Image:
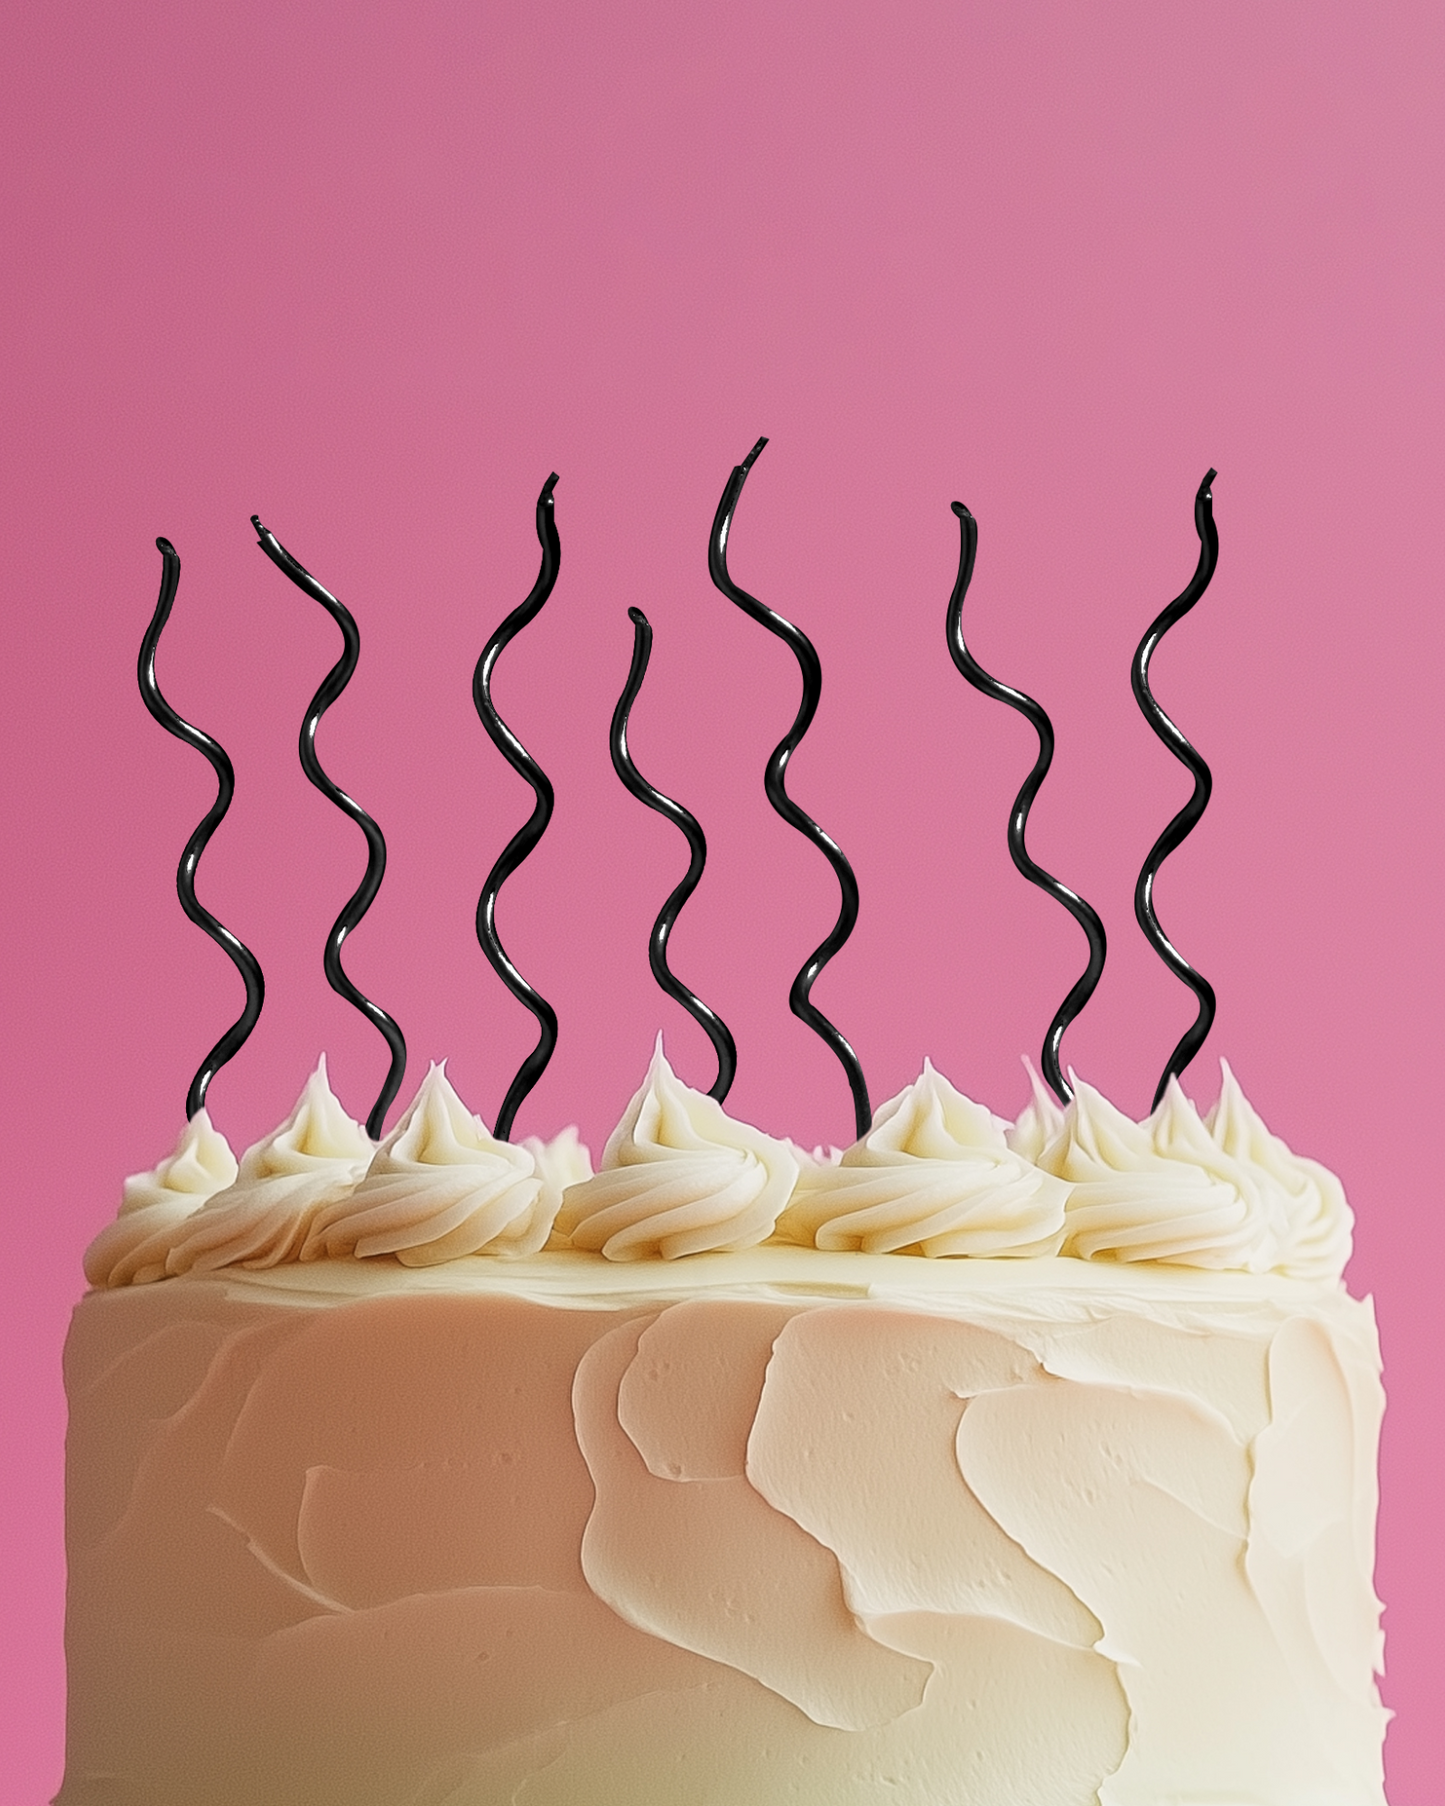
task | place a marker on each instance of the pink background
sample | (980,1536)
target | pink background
(374,269)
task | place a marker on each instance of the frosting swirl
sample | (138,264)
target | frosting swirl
(564,1160)
(132,1250)
(1158,1190)
(678,1176)
(440,1186)
(317,1156)
(935,1175)
(1315,1222)
(1039,1121)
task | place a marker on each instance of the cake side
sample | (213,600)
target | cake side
(767,1525)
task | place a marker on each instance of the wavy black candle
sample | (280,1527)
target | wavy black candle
(242,957)
(1034,714)
(717,1030)
(362,898)
(777,794)
(531,831)
(1193,1038)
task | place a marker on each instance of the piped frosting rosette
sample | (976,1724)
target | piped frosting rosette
(935,1175)
(1308,1201)
(440,1186)
(1160,1190)
(132,1250)
(564,1160)
(679,1176)
(317,1156)
(1039,1122)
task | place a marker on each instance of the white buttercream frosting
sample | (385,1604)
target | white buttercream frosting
(934,1175)
(317,1156)
(937,1174)
(438,1187)
(1158,1190)
(564,1160)
(563,1530)
(1221,1192)
(1039,1121)
(1315,1222)
(679,1176)
(132,1250)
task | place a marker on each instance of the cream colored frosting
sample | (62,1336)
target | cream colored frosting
(934,1175)
(317,1156)
(937,1174)
(132,1250)
(1221,1193)
(439,1186)
(678,1176)
(564,1160)
(1314,1223)
(1160,1190)
(1011,1533)
(1039,1121)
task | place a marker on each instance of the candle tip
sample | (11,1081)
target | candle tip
(752,456)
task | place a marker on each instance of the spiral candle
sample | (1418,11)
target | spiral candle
(1193,1038)
(531,831)
(244,960)
(332,685)
(716,1028)
(1083,914)
(776,789)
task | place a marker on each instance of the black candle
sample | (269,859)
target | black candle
(717,1029)
(773,784)
(531,831)
(1193,1038)
(1086,917)
(332,685)
(245,961)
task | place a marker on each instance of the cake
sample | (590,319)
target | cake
(987,1463)
(980,1463)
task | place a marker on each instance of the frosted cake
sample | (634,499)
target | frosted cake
(990,1464)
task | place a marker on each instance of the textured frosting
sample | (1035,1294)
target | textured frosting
(132,1250)
(1016,1533)
(1223,1193)
(1314,1223)
(678,1176)
(1039,1121)
(564,1160)
(317,1156)
(1158,1190)
(935,1175)
(439,1186)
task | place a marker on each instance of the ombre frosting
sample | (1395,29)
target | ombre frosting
(936,1176)
(679,1176)
(439,1186)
